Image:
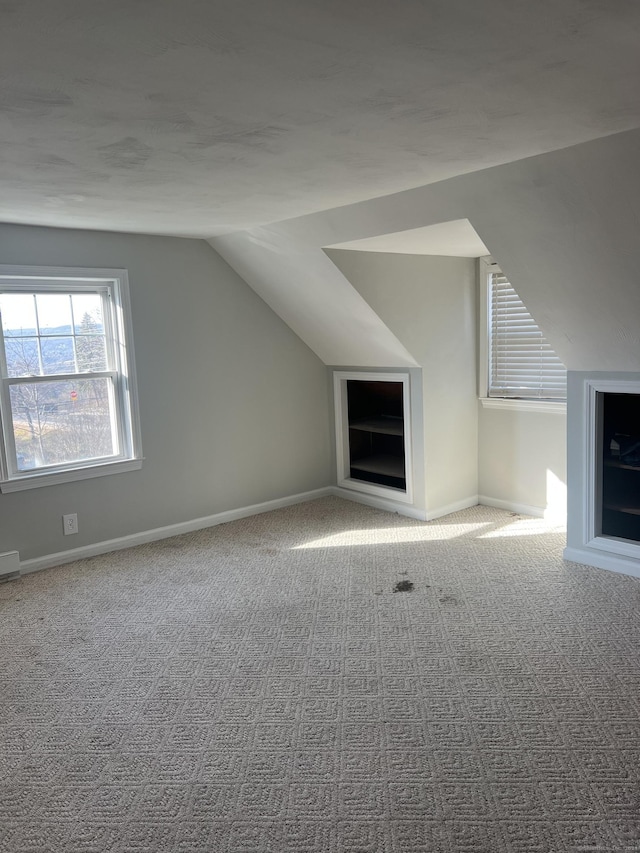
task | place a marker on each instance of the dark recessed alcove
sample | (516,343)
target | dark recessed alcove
(376,432)
(620,473)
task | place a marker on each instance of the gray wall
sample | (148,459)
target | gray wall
(429,303)
(522,460)
(234,407)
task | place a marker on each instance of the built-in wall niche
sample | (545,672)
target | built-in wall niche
(603,470)
(611,497)
(373,446)
(618,418)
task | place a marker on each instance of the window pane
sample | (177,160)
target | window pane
(87,313)
(22,356)
(54,313)
(62,422)
(91,350)
(18,314)
(91,353)
(57,355)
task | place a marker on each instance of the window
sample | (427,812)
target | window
(521,365)
(68,402)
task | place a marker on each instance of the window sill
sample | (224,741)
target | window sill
(506,403)
(35,481)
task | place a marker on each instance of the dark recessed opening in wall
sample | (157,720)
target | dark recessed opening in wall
(376,432)
(620,471)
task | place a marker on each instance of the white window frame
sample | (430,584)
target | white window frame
(486,266)
(113,285)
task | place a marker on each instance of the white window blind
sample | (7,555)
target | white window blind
(522,364)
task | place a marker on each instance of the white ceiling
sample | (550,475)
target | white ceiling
(198,118)
(457,239)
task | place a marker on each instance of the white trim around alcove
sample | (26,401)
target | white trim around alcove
(587,544)
(592,499)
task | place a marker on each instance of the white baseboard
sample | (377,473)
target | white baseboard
(548,513)
(61,557)
(521,509)
(454,507)
(379,503)
(49,560)
(403,509)
(601,560)
(9,565)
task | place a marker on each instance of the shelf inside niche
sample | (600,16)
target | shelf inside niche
(383,464)
(382,425)
(627,510)
(615,463)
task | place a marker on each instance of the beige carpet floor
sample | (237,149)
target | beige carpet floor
(260,687)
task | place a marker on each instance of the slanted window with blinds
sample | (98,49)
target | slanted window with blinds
(522,364)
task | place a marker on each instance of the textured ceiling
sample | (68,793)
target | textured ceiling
(198,118)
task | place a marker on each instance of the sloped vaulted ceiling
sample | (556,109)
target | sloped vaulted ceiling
(563,226)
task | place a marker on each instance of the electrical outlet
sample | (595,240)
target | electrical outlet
(70,523)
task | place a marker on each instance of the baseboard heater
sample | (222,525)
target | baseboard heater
(9,566)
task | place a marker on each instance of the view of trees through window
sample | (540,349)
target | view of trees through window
(68,418)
